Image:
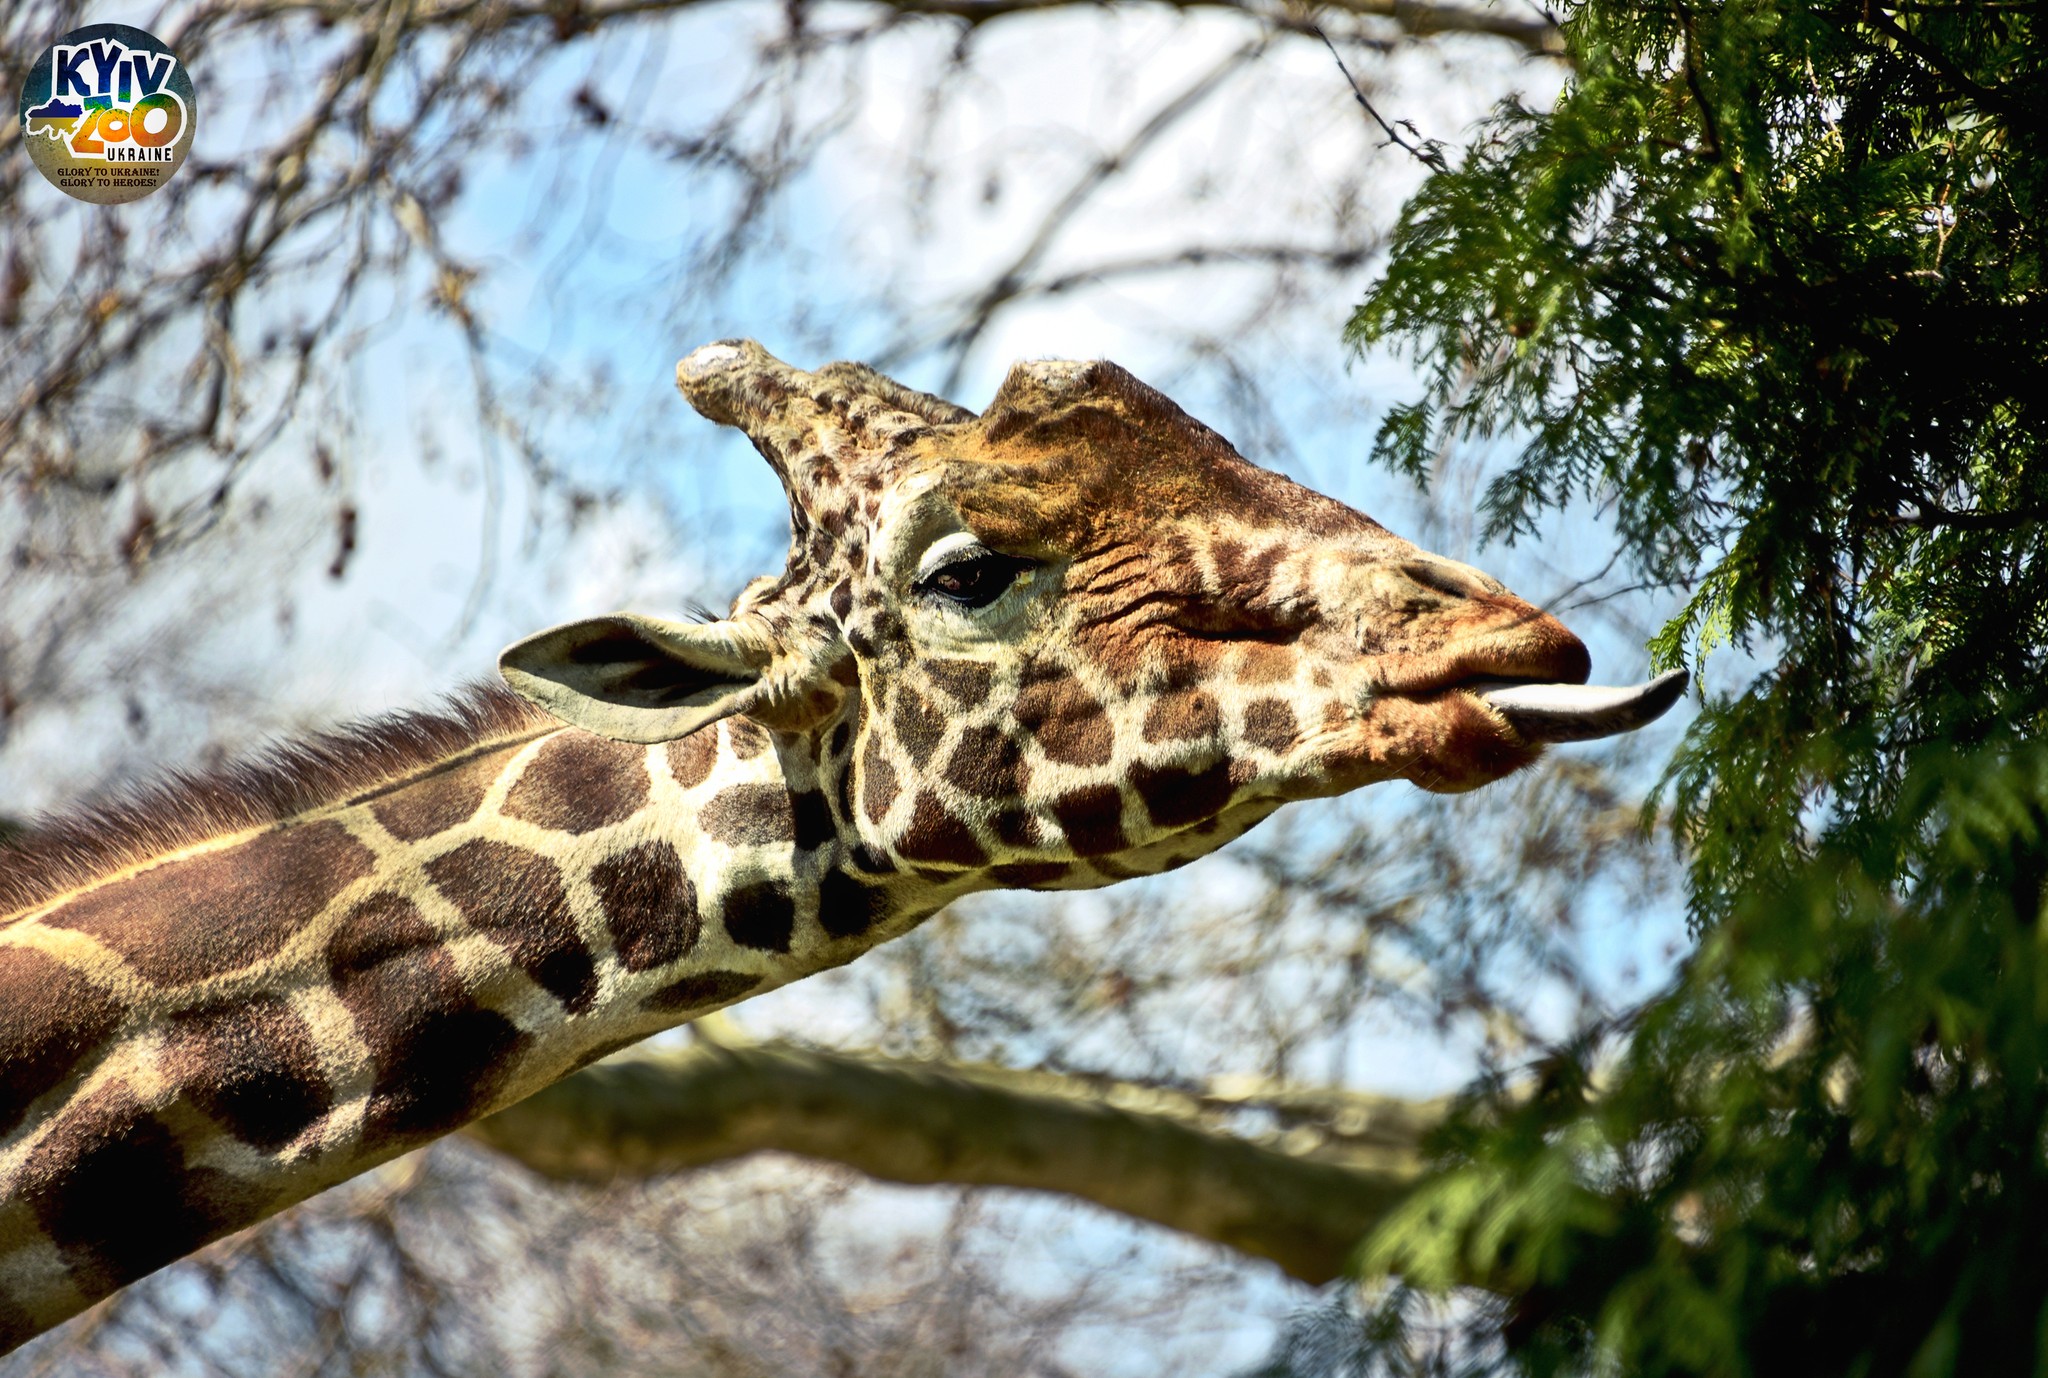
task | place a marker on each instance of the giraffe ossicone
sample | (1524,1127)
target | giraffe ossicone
(1069,640)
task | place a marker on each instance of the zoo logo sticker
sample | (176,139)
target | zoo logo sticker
(107,113)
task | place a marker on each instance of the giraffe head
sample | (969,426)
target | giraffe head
(1074,638)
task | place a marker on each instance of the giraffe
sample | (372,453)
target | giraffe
(1067,641)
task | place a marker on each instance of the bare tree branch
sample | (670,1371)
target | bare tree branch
(1303,1199)
(1416,18)
(1008,283)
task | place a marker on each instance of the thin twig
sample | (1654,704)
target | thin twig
(1428,154)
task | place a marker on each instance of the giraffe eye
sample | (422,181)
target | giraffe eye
(974,580)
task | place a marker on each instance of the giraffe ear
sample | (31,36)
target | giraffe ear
(637,679)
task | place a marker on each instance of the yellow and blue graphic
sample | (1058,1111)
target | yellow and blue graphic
(107,113)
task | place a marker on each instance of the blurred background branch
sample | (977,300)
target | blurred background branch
(1302,1193)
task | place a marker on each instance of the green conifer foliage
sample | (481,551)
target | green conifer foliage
(1768,283)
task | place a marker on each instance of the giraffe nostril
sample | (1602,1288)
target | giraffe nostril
(1453,581)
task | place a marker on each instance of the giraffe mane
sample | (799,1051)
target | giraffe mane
(76,847)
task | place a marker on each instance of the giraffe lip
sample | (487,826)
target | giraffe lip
(1547,713)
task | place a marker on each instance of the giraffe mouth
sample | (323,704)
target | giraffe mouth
(1547,712)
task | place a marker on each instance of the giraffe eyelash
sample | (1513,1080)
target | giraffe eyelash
(961,545)
(973,577)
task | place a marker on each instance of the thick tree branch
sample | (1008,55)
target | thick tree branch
(1333,1166)
(1931,514)
(1991,98)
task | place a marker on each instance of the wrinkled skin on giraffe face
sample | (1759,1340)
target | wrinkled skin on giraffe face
(1073,638)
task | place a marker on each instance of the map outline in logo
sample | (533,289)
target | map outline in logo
(107,113)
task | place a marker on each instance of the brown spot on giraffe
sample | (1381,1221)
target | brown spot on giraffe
(761,915)
(435,1054)
(748,740)
(1017,828)
(1092,819)
(1182,715)
(919,726)
(1268,664)
(579,783)
(690,760)
(702,990)
(989,763)
(253,1066)
(223,910)
(1270,724)
(967,681)
(1069,724)
(848,907)
(878,781)
(750,815)
(442,799)
(1175,797)
(812,819)
(1031,875)
(111,1184)
(53,1024)
(515,898)
(1245,577)
(936,834)
(649,905)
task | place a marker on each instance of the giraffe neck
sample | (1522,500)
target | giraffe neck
(206,1036)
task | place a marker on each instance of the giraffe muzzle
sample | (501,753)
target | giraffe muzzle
(1550,713)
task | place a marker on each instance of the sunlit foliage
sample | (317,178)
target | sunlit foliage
(1766,284)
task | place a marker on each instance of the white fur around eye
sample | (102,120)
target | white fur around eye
(946,550)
